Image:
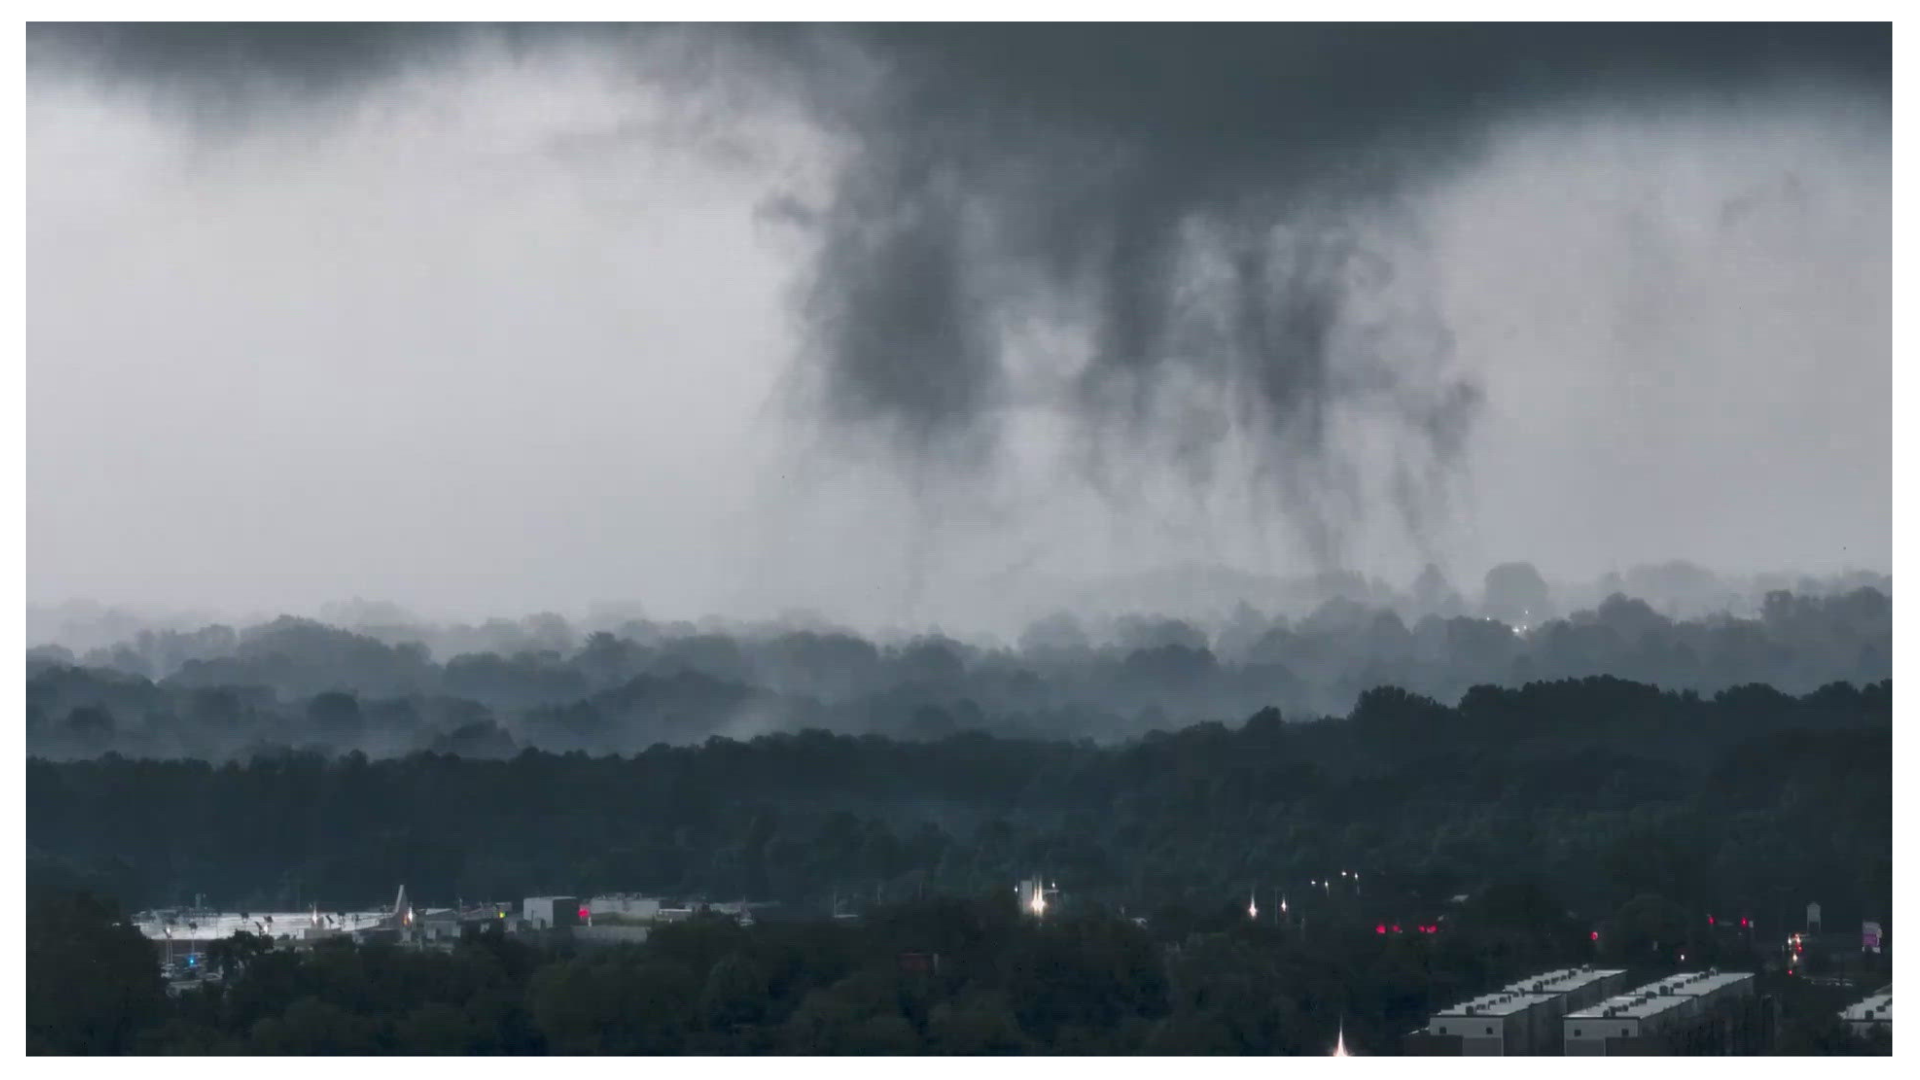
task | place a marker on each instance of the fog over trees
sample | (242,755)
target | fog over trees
(388,687)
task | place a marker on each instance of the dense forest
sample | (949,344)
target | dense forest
(216,693)
(1584,788)
(1608,789)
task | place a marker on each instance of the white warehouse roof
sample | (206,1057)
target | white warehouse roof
(1564,981)
(1876,1009)
(1657,997)
(1501,1003)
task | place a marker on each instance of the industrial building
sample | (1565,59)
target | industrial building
(624,906)
(1520,1019)
(181,939)
(1568,990)
(552,912)
(1574,988)
(1874,1014)
(1705,1012)
(434,924)
(1500,1024)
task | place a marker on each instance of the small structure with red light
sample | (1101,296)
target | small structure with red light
(552,912)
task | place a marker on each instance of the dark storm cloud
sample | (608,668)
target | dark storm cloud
(1211,207)
(1000,172)
(222,74)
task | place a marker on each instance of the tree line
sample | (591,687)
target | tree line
(217,693)
(1749,799)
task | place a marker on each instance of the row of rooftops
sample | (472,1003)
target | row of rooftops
(1658,997)
(1563,981)
(1877,1009)
(1498,1003)
(1528,992)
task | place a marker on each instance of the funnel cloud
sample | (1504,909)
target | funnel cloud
(940,324)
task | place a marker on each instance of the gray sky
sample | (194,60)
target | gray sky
(913,326)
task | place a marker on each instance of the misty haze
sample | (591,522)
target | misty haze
(959,539)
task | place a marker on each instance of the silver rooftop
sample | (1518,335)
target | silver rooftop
(1496,1004)
(1562,982)
(1657,997)
(1877,1007)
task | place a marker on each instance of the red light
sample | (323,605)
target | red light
(1709,920)
(1396,928)
(584,914)
(1743,922)
(1595,935)
(1380,929)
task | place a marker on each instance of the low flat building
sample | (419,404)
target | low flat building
(625,906)
(1874,1014)
(1665,1016)
(1524,1016)
(1576,988)
(1568,990)
(434,925)
(1500,1024)
(551,912)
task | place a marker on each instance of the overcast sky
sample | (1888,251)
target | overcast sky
(910,326)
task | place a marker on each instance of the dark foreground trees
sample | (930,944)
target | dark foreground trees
(95,982)
(945,976)
(942,976)
(1591,819)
